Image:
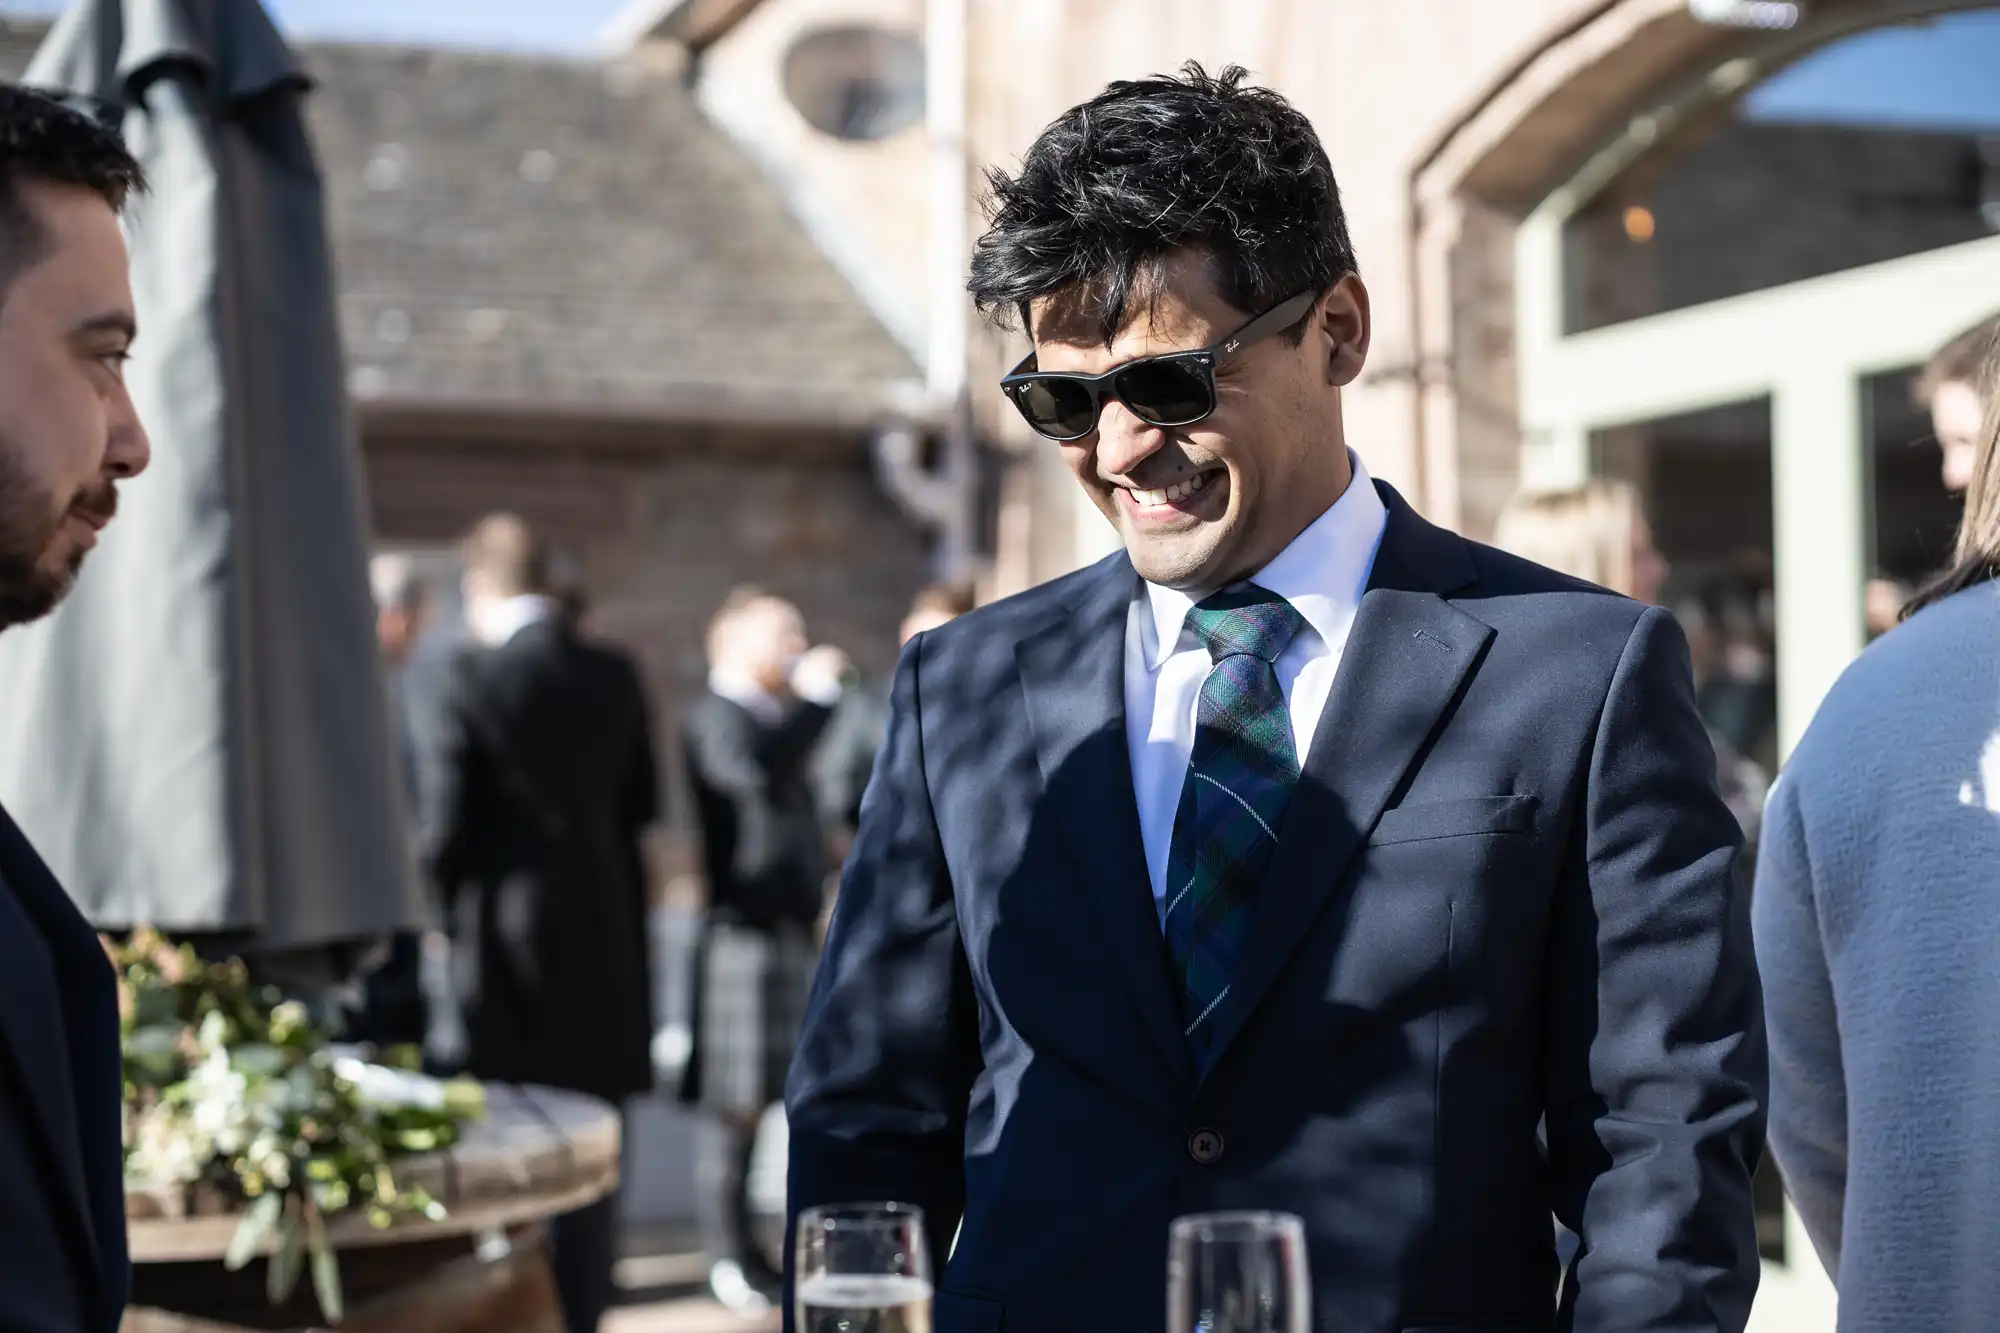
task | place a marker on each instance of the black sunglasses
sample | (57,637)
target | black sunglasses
(1172,389)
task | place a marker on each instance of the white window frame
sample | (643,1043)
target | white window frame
(1807,346)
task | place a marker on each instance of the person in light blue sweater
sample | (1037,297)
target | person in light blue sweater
(1877,921)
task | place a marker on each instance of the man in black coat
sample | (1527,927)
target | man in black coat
(545,785)
(68,436)
(750,744)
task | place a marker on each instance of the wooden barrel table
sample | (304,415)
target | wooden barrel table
(482,1269)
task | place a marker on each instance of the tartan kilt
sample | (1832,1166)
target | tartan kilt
(748,1013)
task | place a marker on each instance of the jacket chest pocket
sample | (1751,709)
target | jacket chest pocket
(1466,817)
(1473,868)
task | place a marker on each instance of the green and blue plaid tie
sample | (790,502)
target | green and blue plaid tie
(1239,780)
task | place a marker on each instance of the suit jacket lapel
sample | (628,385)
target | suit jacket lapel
(32,1026)
(1407,656)
(1073,673)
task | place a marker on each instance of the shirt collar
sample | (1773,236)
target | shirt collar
(1323,573)
(502,620)
(745,693)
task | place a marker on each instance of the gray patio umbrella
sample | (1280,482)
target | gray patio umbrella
(199,738)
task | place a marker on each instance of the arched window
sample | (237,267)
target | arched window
(1876,146)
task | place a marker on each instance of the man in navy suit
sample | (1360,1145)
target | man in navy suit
(68,437)
(1303,856)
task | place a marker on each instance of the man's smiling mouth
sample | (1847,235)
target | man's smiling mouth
(1177,492)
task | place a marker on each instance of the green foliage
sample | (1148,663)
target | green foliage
(230,1088)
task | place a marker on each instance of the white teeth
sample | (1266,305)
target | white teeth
(1175,493)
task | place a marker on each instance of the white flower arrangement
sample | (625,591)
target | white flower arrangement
(231,1091)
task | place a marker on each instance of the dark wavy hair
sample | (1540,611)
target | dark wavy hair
(41,139)
(1150,167)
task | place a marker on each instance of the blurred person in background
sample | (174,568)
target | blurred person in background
(1883,603)
(1598,532)
(421,642)
(1950,387)
(569,586)
(749,743)
(847,755)
(547,786)
(1739,698)
(393,1010)
(1704,634)
(1875,919)
(402,613)
(69,436)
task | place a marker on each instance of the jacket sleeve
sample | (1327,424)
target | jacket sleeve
(846,758)
(640,803)
(450,810)
(878,1091)
(1657,1079)
(1808,1080)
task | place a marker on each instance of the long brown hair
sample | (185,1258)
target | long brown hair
(1977,557)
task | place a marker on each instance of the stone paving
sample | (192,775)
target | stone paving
(688,1315)
(663,1290)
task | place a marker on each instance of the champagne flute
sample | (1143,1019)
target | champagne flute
(863,1268)
(1238,1273)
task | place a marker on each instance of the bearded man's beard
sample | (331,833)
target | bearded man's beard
(30,523)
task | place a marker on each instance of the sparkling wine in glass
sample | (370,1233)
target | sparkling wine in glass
(863,1268)
(1238,1273)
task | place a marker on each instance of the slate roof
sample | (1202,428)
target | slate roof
(521,232)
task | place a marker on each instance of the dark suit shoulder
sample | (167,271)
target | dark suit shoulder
(604,656)
(546,649)
(709,711)
(713,721)
(617,668)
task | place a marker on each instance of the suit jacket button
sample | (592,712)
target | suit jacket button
(1205,1146)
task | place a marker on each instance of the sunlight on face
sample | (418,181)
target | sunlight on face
(1199,505)
(68,430)
(766,642)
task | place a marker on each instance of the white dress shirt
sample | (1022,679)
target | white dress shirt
(496,623)
(808,683)
(1323,574)
(747,694)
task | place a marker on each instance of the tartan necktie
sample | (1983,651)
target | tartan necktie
(1239,780)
